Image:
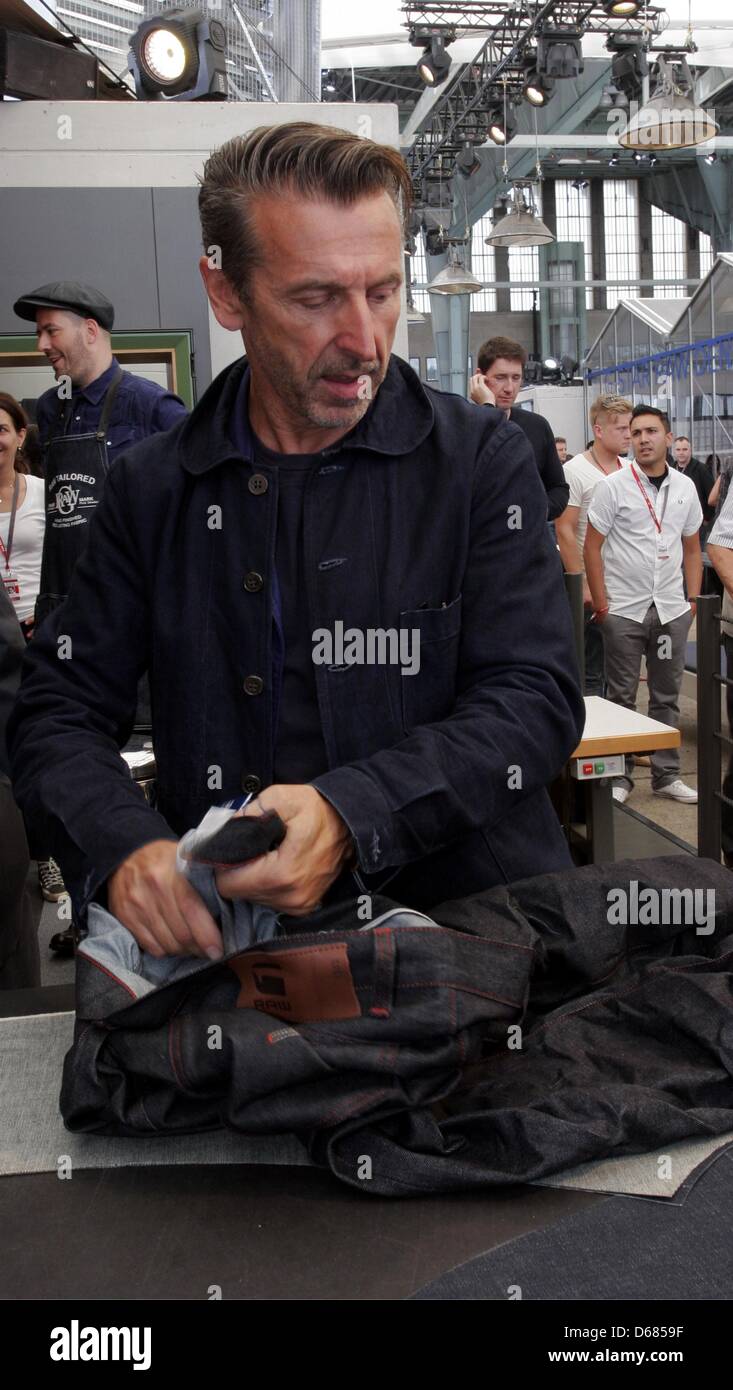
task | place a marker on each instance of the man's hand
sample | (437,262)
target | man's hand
(160,907)
(294,877)
(479,391)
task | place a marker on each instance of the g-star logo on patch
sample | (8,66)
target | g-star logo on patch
(66,500)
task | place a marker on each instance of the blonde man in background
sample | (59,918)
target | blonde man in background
(610,418)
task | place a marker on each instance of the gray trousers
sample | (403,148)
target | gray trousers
(625,643)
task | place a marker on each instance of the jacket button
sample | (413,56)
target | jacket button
(254,685)
(253,582)
(252,784)
(258,484)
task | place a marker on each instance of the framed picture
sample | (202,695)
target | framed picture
(165,358)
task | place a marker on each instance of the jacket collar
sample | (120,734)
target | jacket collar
(399,419)
(98,388)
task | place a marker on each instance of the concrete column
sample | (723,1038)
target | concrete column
(646,257)
(501,263)
(598,242)
(449,314)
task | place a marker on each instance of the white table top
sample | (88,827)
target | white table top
(610,728)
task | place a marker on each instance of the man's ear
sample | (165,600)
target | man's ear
(225,302)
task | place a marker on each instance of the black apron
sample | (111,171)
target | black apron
(75,467)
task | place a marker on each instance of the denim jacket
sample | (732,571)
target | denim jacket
(429,515)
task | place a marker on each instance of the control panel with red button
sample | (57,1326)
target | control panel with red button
(586,769)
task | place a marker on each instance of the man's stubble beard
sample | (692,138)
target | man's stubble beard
(298,394)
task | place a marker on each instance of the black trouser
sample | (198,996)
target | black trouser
(726,819)
(20,966)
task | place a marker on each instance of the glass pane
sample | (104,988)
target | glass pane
(483,265)
(669,258)
(621,217)
(524,265)
(572,206)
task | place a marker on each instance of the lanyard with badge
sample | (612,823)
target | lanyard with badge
(12,585)
(662,546)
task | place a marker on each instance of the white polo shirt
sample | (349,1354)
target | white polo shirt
(642,566)
(583,478)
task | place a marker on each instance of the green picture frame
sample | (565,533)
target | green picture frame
(175,349)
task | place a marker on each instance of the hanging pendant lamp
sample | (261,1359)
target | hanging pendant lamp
(670,120)
(454,278)
(522,225)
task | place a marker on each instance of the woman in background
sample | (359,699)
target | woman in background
(22,524)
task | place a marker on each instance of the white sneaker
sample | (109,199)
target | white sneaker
(678,791)
(620,794)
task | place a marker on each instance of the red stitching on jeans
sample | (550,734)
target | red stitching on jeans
(464,989)
(90,961)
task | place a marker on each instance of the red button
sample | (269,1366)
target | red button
(587,768)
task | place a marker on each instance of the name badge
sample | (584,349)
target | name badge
(662,548)
(12,586)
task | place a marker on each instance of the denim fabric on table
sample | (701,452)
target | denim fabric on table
(398,1042)
(315,1028)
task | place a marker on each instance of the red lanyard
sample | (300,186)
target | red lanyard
(11,525)
(652,512)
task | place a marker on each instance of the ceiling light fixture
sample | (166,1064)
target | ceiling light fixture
(559,52)
(179,55)
(454,278)
(671,119)
(537,89)
(434,65)
(522,225)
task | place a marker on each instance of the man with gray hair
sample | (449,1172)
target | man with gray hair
(317,483)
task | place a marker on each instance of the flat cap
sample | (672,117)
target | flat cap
(67,294)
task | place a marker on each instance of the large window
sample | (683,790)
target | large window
(572,207)
(669,258)
(621,217)
(524,265)
(483,265)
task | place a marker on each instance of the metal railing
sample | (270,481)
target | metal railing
(574,591)
(710,736)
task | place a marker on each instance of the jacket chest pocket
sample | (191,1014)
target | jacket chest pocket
(431,643)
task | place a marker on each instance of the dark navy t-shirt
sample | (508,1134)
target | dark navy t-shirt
(300,752)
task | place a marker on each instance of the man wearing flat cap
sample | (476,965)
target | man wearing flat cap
(96,411)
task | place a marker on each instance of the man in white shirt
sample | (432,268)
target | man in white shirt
(720,554)
(610,418)
(647,519)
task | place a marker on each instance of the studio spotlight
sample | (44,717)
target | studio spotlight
(434,65)
(537,89)
(711,158)
(500,130)
(559,53)
(179,55)
(551,369)
(467,160)
(621,9)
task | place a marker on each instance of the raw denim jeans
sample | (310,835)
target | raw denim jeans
(625,643)
(526,1030)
